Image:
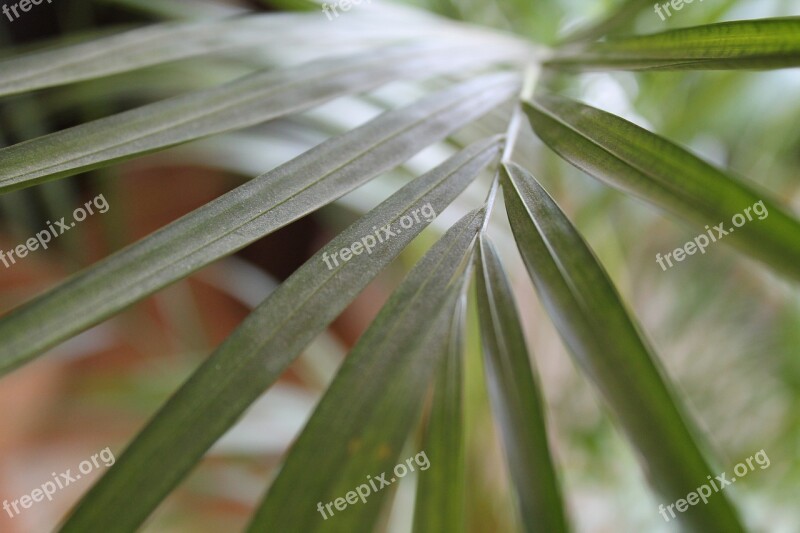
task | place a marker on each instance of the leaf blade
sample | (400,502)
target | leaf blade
(157,44)
(635,161)
(241,103)
(516,399)
(250,360)
(439,504)
(608,346)
(366,436)
(238,218)
(747,44)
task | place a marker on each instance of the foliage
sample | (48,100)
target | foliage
(482,92)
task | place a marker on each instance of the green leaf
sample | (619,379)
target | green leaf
(255,355)
(516,399)
(368,411)
(641,163)
(163,43)
(747,44)
(244,215)
(245,102)
(607,344)
(131,50)
(440,490)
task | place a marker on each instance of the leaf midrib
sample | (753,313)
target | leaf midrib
(240,226)
(283,86)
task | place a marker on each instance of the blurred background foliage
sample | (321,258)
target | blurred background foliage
(728,330)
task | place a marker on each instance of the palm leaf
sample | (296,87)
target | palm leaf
(244,215)
(157,44)
(252,358)
(516,399)
(636,161)
(610,349)
(368,411)
(239,104)
(747,44)
(440,500)
(136,49)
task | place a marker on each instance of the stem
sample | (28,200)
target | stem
(512,132)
